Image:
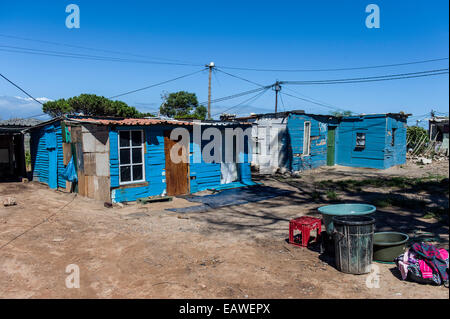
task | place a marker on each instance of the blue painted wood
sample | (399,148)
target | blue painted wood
(154,159)
(318,151)
(203,175)
(378,153)
(47,155)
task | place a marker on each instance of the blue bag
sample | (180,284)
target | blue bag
(69,173)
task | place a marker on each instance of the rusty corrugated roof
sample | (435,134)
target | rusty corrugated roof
(129,121)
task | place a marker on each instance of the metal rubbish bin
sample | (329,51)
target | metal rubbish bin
(353,242)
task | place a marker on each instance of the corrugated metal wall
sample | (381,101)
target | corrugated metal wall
(395,154)
(318,152)
(155,164)
(202,175)
(46,141)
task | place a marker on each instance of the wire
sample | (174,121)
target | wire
(334,108)
(61,54)
(156,84)
(88,48)
(40,223)
(229,97)
(335,69)
(252,99)
(282,102)
(240,78)
(319,102)
(29,95)
(372,78)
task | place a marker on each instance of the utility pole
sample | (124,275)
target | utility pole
(277,88)
(210,66)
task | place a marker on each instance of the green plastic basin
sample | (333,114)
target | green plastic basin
(329,211)
(388,245)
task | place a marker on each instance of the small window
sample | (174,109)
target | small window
(360,140)
(131,156)
(257,145)
(393,137)
(307,139)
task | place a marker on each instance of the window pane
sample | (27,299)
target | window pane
(136,138)
(125,173)
(137,155)
(137,172)
(124,138)
(125,156)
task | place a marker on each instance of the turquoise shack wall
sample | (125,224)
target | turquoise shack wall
(202,175)
(378,153)
(46,152)
(294,140)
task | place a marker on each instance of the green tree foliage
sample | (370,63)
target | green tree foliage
(90,105)
(416,135)
(341,113)
(182,105)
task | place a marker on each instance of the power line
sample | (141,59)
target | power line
(316,101)
(88,48)
(229,97)
(252,99)
(372,78)
(240,78)
(62,54)
(29,95)
(310,101)
(282,102)
(335,69)
(156,84)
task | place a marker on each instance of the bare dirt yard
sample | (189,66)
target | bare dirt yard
(240,251)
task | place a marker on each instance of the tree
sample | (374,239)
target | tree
(90,105)
(182,105)
(417,137)
(341,113)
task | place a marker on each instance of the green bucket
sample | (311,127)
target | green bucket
(388,245)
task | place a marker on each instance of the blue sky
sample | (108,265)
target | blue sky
(253,34)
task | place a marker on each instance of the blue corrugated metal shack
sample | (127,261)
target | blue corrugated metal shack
(310,140)
(373,140)
(307,137)
(121,160)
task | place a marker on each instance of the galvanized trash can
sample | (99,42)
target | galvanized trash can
(353,242)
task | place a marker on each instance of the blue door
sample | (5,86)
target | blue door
(50,141)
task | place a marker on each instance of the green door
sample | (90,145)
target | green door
(331,145)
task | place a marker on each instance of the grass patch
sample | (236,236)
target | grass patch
(331,195)
(398,201)
(421,183)
(437,213)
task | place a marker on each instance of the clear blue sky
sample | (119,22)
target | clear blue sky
(254,34)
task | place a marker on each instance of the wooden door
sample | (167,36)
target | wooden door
(177,174)
(331,145)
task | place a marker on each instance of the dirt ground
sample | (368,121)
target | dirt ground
(144,251)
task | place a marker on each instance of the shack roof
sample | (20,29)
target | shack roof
(287,113)
(126,121)
(17,125)
(20,122)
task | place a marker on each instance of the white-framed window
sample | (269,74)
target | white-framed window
(360,140)
(131,156)
(307,139)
